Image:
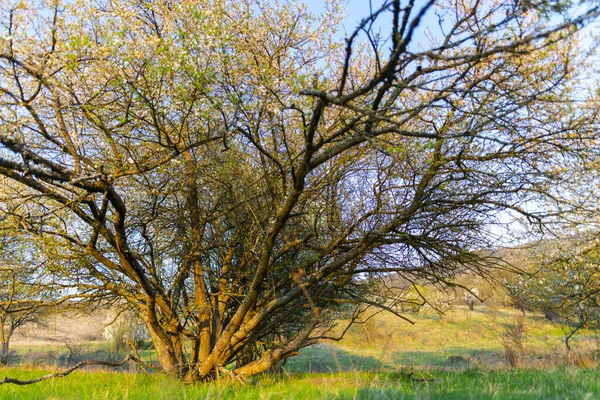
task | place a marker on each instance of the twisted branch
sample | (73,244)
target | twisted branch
(75,367)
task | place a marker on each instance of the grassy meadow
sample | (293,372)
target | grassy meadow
(556,383)
(461,355)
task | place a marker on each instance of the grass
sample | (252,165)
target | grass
(561,383)
(385,342)
(463,352)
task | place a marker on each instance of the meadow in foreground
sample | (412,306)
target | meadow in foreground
(461,356)
(560,383)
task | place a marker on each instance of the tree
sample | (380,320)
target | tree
(471,297)
(122,326)
(235,173)
(22,295)
(565,286)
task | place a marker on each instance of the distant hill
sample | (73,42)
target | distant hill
(65,325)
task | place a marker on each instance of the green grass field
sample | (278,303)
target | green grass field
(460,356)
(460,340)
(559,383)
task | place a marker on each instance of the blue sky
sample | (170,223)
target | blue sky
(356,10)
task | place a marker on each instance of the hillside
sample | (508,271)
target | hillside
(69,326)
(461,339)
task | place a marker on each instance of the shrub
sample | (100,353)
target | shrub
(122,326)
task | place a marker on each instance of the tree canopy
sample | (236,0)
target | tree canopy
(241,175)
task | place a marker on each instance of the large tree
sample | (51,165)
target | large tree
(240,175)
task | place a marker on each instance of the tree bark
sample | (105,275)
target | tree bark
(4,344)
(168,351)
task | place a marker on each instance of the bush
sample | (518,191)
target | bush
(122,326)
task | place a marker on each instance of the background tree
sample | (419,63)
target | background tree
(234,172)
(123,326)
(471,298)
(22,293)
(565,285)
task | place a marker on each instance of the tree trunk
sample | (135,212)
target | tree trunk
(200,289)
(4,353)
(169,350)
(4,342)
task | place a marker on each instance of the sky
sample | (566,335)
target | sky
(356,10)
